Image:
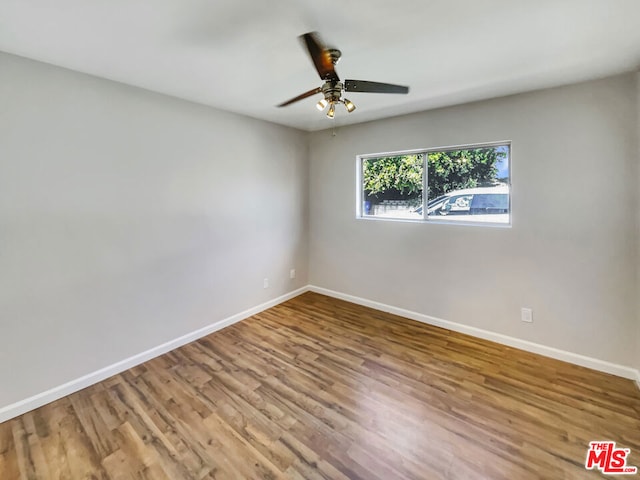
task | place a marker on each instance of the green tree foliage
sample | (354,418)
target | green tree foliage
(401,176)
(457,169)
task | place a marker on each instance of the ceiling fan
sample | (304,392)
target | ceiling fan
(324,59)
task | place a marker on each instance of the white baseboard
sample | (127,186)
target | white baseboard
(28,404)
(577,359)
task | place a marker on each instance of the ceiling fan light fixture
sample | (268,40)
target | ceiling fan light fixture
(322,104)
(332,110)
(349,105)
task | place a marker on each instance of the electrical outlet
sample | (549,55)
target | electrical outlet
(265,283)
(292,273)
(526,315)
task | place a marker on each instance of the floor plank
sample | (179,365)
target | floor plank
(318,388)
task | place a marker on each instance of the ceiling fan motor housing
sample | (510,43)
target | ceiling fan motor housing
(332,91)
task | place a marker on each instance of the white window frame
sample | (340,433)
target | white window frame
(425,218)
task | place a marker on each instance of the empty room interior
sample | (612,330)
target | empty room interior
(223,258)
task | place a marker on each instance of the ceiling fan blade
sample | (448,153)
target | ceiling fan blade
(320,56)
(301,96)
(373,87)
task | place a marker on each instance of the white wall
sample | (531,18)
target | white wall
(128,219)
(571,253)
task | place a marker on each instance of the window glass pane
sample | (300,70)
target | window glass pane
(469,184)
(392,186)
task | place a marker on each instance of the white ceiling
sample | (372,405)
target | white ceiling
(244,55)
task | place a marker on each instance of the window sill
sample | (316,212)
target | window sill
(437,221)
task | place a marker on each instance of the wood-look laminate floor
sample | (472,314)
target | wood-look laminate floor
(317,388)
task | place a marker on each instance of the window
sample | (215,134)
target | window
(469,184)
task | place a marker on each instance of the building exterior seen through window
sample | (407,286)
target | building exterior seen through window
(469,184)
